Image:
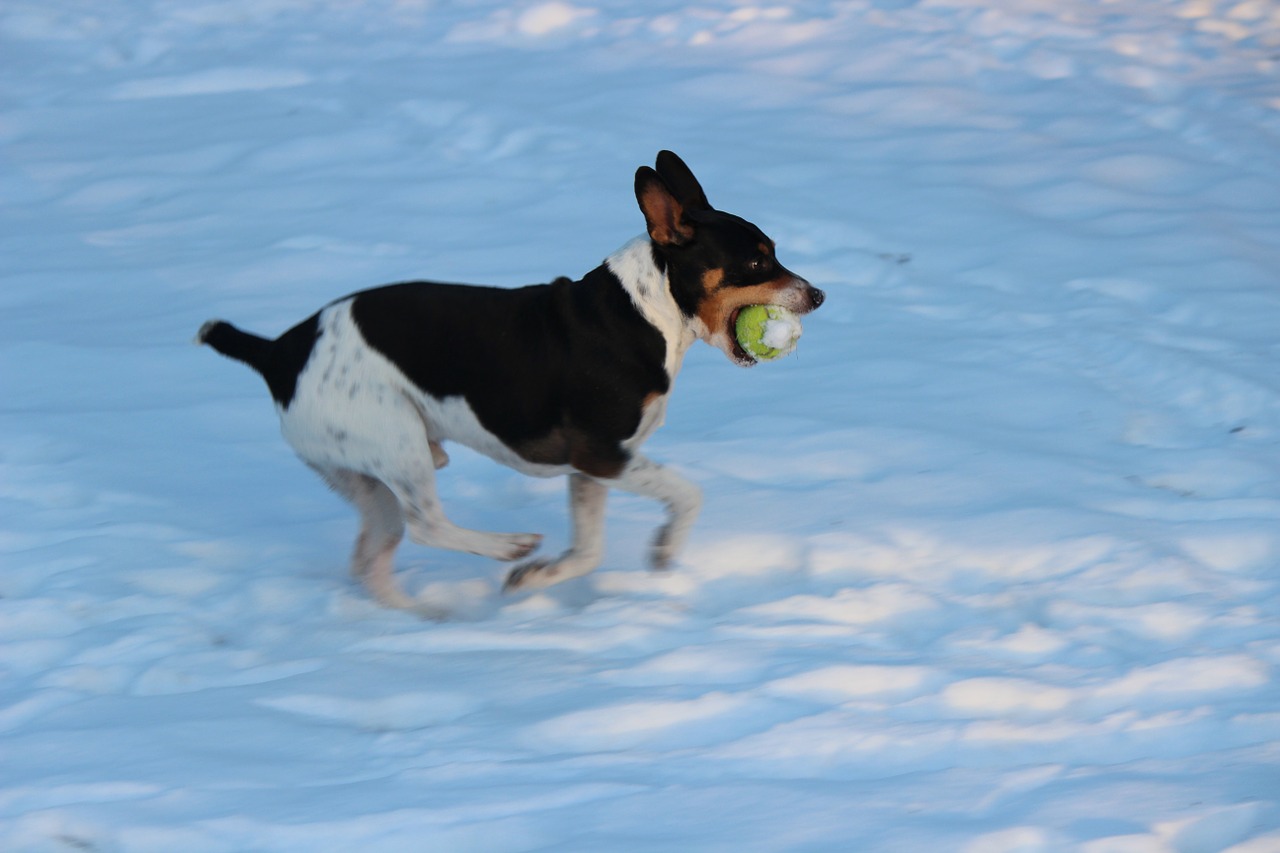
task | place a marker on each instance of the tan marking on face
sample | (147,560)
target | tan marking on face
(712,279)
(717,308)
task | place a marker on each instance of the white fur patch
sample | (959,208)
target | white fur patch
(355,409)
(650,291)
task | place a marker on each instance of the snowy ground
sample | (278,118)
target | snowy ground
(989,565)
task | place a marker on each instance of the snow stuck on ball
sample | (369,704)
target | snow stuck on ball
(767,332)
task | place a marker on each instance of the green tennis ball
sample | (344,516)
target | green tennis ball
(767,332)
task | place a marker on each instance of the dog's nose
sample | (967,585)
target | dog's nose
(817,297)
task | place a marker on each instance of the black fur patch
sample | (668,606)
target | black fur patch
(559,372)
(278,362)
(288,357)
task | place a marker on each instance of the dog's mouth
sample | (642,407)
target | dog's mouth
(740,356)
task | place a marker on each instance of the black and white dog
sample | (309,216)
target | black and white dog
(569,378)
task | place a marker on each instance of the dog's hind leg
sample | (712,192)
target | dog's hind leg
(408,467)
(586,505)
(414,485)
(381,529)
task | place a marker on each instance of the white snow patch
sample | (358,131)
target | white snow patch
(849,681)
(631,725)
(1002,697)
(782,333)
(214,81)
(546,18)
(400,712)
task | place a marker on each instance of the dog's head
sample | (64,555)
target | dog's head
(717,263)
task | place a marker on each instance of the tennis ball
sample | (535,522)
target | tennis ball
(767,332)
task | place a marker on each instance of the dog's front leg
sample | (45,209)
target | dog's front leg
(682,499)
(586,507)
(641,476)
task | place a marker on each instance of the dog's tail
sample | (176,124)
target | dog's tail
(234,343)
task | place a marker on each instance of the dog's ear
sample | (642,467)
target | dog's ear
(663,212)
(683,184)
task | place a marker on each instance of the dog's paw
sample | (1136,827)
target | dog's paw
(662,554)
(496,546)
(534,574)
(517,546)
(537,574)
(430,612)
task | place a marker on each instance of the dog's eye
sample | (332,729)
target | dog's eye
(760,265)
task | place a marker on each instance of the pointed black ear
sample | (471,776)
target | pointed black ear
(663,213)
(683,184)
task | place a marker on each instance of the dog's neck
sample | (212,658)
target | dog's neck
(650,291)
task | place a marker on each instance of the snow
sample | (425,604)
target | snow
(989,565)
(782,331)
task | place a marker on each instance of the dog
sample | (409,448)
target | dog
(567,378)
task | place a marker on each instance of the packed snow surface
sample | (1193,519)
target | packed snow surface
(989,566)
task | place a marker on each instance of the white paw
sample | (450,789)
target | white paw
(537,574)
(534,574)
(663,552)
(516,546)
